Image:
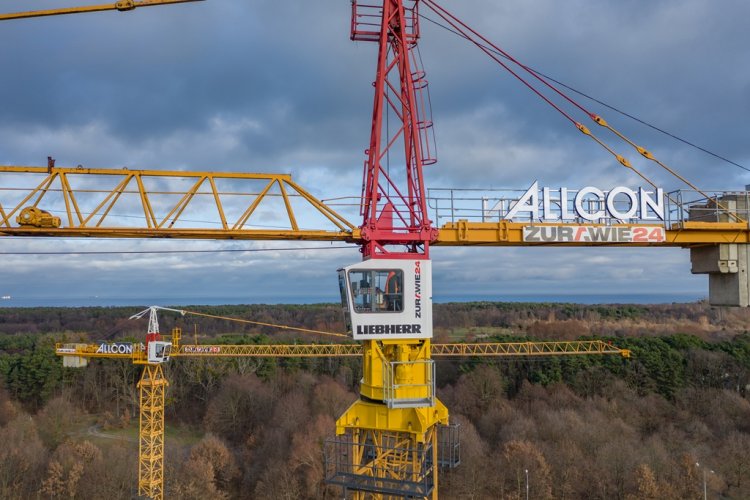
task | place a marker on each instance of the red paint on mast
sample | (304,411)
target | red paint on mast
(393,204)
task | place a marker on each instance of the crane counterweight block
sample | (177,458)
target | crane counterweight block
(36,217)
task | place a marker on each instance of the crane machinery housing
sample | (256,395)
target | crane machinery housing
(388,441)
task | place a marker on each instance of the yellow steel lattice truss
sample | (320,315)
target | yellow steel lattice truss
(117,203)
(124,203)
(389,441)
(484,349)
(151,436)
(377,464)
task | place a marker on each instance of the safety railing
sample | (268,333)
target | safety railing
(620,206)
(385,467)
(449,446)
(409,384)
(709,206)
(367,19)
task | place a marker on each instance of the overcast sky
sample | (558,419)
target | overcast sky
(270,86)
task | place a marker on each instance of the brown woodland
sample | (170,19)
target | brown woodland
(653,427)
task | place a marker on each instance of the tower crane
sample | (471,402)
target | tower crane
(153,384)
(387,441)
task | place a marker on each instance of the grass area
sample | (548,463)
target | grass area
(89,428)
(178,435)
(473,332)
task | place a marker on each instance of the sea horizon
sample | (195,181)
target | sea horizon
(584,299)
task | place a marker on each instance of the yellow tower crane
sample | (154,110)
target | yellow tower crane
(153,384)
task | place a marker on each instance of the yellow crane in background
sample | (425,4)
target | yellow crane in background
(153,382)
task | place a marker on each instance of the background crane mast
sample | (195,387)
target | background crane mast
(152,387)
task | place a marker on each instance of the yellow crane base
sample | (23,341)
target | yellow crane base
(377,416)
(376,464)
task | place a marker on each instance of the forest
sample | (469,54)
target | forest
(665,424)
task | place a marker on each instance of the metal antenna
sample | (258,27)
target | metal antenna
(153,322)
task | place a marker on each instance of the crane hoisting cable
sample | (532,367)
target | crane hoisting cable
(495,53)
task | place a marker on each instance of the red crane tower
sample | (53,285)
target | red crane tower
(388,439)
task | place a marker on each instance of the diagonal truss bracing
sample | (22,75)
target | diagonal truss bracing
(175,204)
(484,349)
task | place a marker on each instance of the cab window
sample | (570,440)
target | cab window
(377,290)
(344,300)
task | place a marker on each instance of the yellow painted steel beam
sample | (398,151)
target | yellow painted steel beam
(82,350)
(187,234)
(151,432)
(122,6)
(506,233)
(92,211)
(156,204)
(682,236)
(502,349)
(270,351)
(484,349)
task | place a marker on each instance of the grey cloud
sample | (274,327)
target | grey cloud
(277,86)
(289,276)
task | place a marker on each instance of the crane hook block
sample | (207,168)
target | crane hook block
(36,217)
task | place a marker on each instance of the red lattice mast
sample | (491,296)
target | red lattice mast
(393,203)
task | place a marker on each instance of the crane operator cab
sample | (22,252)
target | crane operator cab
(387,299)
(158,351)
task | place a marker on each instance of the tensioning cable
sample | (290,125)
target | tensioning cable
(493,51)
(260,323)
